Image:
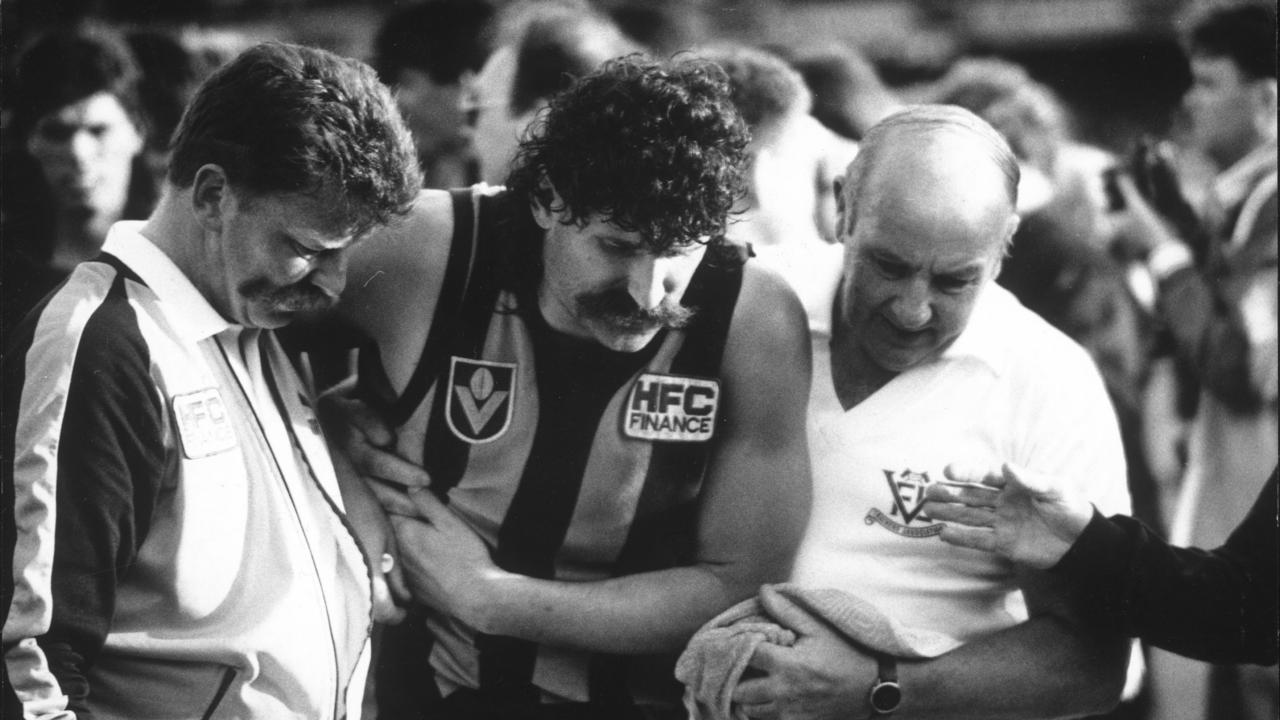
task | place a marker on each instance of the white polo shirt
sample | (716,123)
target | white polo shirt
(1010,388)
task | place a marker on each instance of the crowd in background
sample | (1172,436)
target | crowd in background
(89,106)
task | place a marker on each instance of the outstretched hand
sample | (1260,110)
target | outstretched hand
(822,676)
(1026,517)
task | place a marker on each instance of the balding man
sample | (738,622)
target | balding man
(930,363)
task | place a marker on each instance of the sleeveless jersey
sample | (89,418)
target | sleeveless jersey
(571,461)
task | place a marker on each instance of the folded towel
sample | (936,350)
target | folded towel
(717,655)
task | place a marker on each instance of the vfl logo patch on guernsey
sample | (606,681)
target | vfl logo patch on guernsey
(907,489)
(671,407)
(481,394)
(203,425)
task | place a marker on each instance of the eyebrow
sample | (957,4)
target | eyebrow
(968,270)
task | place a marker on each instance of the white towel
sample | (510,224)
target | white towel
(718,653)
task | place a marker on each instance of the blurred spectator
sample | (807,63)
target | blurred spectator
(848,95)
(425,51)
(77,164)
(664,26)
(788,215)
(170,73)
(540,46)
(1216,272)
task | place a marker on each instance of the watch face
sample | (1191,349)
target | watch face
(885,697)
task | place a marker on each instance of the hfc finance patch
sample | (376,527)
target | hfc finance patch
(671,407)
(203,424)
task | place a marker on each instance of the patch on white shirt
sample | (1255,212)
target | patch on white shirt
(907,490)
(203,424)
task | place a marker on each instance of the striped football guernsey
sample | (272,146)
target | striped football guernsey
(572,461)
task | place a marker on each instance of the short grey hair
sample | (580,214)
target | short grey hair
(918,121)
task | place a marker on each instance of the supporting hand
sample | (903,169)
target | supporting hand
(446,563)
(823,676)
(1026,517)
(359,433)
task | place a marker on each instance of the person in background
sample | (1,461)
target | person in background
(1216,273)
(181,547)
(788,214)
(539,47)
(1218,605)
(426,52)
(928,363)
(848,94)
(77,165)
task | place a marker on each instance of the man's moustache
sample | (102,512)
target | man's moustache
(618,308)
(291,298)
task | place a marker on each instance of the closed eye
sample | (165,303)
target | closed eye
(953,283)
(890,269)
(619,247)
(305,252)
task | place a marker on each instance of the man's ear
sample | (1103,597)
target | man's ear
(210,196)
(846,209)
(1006,243)
(544,199)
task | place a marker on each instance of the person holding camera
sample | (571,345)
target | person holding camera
(1215,268)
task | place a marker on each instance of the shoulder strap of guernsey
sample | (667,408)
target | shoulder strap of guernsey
(453,293)
(445,457)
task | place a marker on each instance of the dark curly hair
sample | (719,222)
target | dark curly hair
(651,147)
(289,119)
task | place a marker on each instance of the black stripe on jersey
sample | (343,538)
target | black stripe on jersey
(453,291)
(405,685)
(444,454)
(577,379)
(664,531)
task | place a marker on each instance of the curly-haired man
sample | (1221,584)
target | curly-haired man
(180,548)
(605,403)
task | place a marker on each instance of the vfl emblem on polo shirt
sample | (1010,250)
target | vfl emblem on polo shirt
(203,425)
(907,488)
(671,407)
(481,394)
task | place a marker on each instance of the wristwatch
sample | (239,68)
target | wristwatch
(886,693)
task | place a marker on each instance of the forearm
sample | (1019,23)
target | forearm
(645,613)
(1218,606)
(1043,668)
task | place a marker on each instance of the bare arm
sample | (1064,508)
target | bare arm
(753,509)
(393,282)
(1046,667)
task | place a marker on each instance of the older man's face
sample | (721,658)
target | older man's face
(928,239)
